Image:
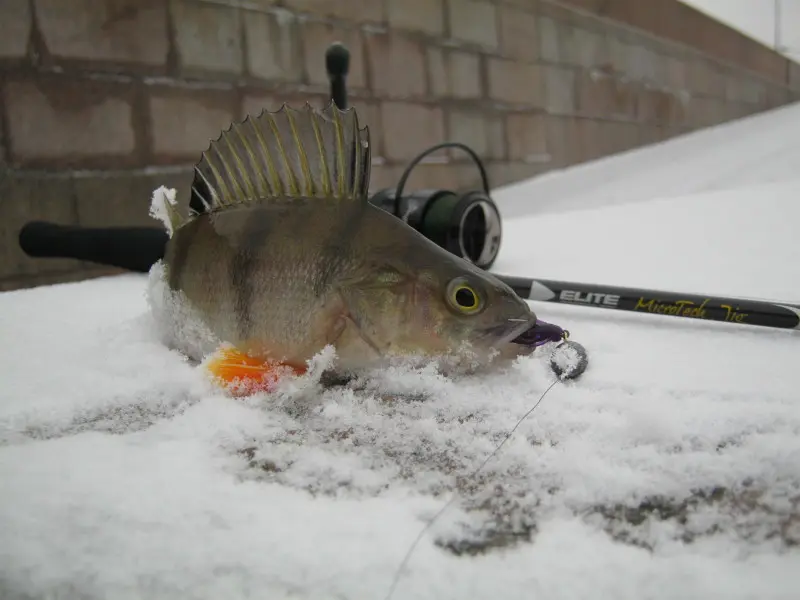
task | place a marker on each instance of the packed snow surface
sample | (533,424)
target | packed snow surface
(671,469)
(753,151)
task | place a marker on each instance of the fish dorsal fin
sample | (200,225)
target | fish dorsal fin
(285,154)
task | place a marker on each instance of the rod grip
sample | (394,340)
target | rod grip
(131,248)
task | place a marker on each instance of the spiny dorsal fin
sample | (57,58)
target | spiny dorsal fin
(289,153)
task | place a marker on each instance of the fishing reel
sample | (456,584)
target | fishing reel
(466,224)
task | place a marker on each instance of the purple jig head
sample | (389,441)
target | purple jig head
(568,359)
(541,333)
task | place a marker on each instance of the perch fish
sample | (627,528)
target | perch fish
(289,257)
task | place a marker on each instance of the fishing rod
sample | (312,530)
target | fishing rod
(466,224)
(738,311)
(138,248)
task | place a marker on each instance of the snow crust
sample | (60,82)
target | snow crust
(162,207)
(671,469)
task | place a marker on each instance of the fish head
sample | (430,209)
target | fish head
(411,297)
(476,311)
(446,307)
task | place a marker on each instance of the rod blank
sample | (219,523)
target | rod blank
(737,311)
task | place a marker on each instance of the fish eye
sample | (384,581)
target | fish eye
(464,297)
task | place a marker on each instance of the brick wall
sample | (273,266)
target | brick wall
(104,100)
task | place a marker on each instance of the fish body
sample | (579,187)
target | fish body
(290,257)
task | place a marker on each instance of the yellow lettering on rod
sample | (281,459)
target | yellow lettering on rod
(687,308)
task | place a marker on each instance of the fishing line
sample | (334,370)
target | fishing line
(407,557)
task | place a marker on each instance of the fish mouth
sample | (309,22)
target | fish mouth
(530,332)
(539,333)
(511,330)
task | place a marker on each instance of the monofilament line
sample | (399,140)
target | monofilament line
(455,494)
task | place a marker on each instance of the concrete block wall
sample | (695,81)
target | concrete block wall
(104,100)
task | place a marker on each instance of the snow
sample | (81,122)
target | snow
(741,242)
(671,469)
(756,150)
(162,207)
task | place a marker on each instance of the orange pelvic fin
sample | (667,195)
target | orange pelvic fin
(243,375)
